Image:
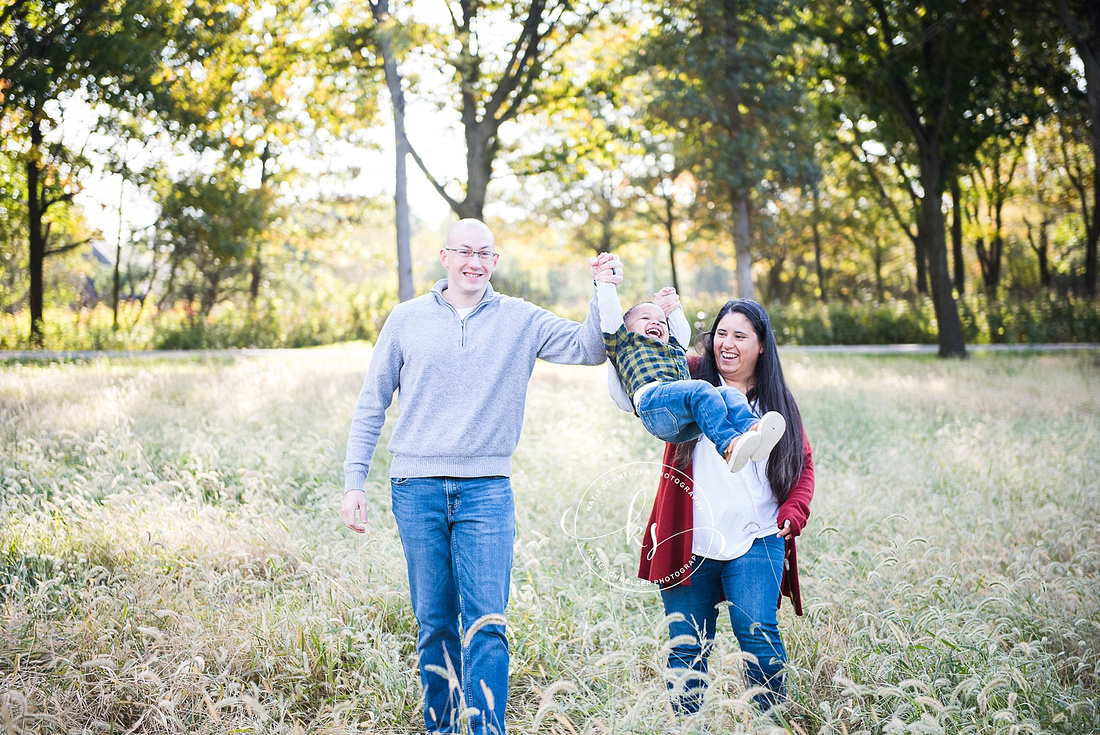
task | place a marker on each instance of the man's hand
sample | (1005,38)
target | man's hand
(667,299)
(607,268)
(355,502)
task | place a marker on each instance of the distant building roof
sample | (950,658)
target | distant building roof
(103,252)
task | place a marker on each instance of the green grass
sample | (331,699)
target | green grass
(172,559)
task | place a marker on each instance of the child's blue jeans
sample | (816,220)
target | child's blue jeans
(681,410)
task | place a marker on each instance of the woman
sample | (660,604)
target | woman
(712,535)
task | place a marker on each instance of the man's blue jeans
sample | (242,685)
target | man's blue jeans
(680,410)
(751,585)
(457,534)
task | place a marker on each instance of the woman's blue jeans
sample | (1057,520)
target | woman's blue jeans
(750,584)
(457,534)
(681,410)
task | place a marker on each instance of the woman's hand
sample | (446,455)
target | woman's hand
(786,529)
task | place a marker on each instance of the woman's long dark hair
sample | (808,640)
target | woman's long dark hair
(770,392)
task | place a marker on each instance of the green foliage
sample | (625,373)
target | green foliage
(651,120)
(13,240)
(710,64)
(355,314)
(349,316)
(1039,320)
(211,226)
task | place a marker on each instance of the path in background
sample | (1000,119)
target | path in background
(906,349)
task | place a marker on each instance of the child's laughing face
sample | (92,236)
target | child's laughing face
(648,319)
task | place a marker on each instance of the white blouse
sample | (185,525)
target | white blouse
(731,509)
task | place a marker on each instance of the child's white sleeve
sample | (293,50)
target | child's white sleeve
(679,327)
(615,388)
(611,313)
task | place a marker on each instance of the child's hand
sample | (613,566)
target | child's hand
(607,268)
(667,299)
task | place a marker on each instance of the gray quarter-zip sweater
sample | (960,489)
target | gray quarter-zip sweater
(462,383)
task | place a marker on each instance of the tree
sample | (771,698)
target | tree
(50,24)
(360,48)
(101,52)
(881,175)
(381,13)
(942,76)
(13,247)
(246,90)
(914,72)
(990,188)
(493,84)
(1081,19)
(586,162)
(722,78)
(209,222)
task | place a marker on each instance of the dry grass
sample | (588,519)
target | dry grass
(171,558)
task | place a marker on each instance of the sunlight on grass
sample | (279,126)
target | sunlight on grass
(172,559)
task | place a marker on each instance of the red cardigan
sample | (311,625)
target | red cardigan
(666,547)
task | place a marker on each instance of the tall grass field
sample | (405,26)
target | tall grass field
(172,558)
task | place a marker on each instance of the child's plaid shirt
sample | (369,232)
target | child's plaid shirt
(640,359)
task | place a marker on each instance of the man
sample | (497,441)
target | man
(462,357)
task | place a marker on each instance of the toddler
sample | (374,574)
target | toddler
(652,366)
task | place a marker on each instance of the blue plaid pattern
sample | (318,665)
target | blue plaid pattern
(640,359)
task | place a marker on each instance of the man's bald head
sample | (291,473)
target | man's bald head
(471,233)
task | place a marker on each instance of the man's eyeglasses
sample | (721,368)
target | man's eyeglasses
(484,256)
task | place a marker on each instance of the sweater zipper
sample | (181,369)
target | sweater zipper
(462,322)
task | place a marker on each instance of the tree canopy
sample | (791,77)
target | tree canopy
(870,151)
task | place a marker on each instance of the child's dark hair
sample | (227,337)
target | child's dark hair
(770,392)
(628,312)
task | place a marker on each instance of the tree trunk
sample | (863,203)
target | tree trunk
(1086,41)
(669,222)
(990,259)
(957,236)
(775,279)
(478,171)
(405,289)
(877,257)
(815,221)
(934,237)
(1041,248)
(983,262)
(606,220)
(1093,232)
(35,238)
(117,280)
(405,286)
(116,290)
(919,249)
(209,295)
(996,251)
(256,273)
(742,242)
(257,269)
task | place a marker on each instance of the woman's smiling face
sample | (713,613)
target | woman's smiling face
(736,348)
